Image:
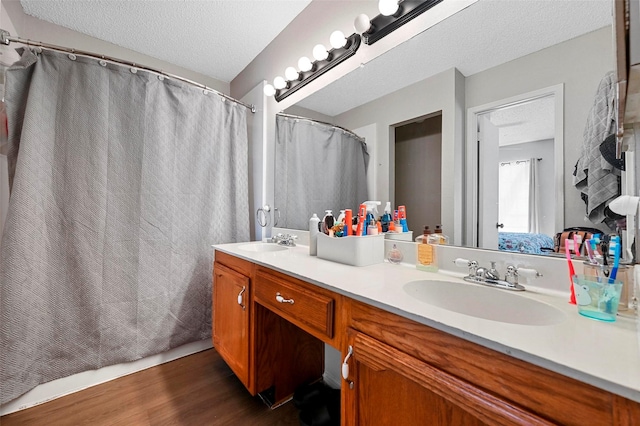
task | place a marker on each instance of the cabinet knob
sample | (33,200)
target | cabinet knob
(281,299)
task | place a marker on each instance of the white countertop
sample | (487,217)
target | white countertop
(605,355)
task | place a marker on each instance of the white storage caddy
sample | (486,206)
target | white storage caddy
(356,251)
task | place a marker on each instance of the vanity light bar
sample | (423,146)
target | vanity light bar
(336,56)
(382,25)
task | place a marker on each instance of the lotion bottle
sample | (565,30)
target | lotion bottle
(314,230)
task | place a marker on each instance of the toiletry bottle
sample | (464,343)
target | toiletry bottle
(442,239)
(386,217)
(402,215)
(396,221)
(341,217)
(314,229)
(426,260)
(348,222)
(362,218)
(327,222)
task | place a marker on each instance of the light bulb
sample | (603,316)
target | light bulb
(320,52)
(269,90)
(362,24)
(279,83)
(388,7)
(291,74)
(337,39)
(305,64)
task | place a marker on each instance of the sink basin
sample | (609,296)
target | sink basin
(484,302)
(261,247)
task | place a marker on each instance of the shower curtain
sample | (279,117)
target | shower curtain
(317,167)
(120,182)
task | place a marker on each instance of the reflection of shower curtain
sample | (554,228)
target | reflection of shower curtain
(317,167)
(120,183)
(518,196)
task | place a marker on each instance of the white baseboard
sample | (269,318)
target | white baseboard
(77,382)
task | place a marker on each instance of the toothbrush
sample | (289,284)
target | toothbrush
(567,249)
(589,247)
(615,241)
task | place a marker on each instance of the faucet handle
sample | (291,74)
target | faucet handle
(471,264)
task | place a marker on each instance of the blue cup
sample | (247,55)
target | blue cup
(596,297)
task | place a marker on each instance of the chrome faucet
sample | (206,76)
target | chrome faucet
(491,277)
(284,239)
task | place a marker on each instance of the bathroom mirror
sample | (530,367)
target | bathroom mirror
(507,49)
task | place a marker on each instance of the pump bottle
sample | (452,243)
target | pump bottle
(426,260)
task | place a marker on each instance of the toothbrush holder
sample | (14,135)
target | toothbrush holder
(628,304)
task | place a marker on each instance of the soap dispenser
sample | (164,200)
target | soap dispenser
(426,259)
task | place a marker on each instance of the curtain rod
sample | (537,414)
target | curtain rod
(517,161)
(6,38)
(297,117)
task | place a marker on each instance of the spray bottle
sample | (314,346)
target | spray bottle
(372,213)
(386,217)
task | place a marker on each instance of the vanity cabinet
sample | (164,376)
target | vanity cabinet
(272,345)
(401,372)
(405,373)
(231,314)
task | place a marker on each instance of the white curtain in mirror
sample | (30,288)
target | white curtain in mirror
(518,207)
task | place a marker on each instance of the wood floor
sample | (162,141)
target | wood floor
(195,390)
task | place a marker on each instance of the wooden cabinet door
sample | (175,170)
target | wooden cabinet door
(231,310)
(388,387)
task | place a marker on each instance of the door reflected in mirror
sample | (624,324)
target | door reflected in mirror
(519,145)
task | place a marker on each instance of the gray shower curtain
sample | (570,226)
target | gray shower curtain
(121,181)
(317,167)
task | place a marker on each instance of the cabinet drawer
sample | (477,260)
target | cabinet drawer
(296,303)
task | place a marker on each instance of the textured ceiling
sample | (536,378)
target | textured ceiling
(215,38)
(486,34)
(528,121)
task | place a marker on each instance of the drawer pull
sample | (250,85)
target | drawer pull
(240,298)
(281,299)
(345,367)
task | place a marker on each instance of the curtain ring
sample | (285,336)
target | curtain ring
(72,56)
